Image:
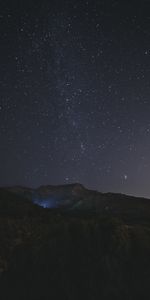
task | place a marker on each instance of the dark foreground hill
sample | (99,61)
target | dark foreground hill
(88,246)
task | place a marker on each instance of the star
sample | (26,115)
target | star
(147,52)
(82,146)
(67,179)
(125,176)
(73,98)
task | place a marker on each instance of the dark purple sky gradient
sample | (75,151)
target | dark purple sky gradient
(75,94)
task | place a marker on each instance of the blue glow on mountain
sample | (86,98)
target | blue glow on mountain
(46,203)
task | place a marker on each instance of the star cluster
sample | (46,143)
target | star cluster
(75,94)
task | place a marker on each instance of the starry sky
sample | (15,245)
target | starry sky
(75,94)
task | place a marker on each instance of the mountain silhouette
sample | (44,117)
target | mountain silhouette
(75,197)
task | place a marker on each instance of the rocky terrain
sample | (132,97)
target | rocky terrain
(75,197)
(84,245)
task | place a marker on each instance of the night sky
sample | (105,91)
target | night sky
(75,94)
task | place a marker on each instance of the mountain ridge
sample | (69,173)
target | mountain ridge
(75,197)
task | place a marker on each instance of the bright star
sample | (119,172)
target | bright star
(125,177)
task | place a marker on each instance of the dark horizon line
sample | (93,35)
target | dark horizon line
(71,184)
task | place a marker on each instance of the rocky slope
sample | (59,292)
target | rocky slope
(76,197)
